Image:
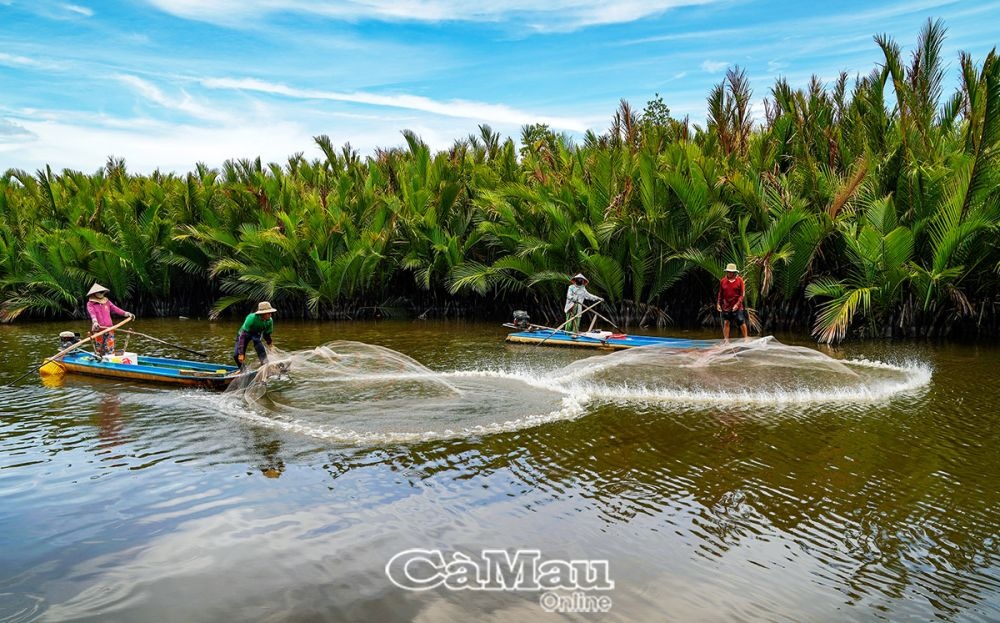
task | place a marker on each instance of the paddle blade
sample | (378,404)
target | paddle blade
(51,368)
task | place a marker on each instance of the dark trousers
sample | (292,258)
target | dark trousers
(240,347)
(736,317)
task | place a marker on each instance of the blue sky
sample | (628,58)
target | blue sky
(169,83)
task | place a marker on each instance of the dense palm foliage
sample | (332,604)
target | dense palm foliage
(870,205)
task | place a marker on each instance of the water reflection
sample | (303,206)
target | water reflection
(53,382)
(266,447)
(833,496)
(109,420)
(118,499)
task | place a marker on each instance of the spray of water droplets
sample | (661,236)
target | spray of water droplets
(361,393)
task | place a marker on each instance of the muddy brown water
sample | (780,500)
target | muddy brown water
(125,502)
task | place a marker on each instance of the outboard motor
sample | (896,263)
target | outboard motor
(67,339)
(522,320)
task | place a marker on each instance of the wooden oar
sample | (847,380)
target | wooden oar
(569,320)
(55,368)
(156,339)
(50,367)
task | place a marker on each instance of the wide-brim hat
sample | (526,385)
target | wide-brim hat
(265,308)
(97,289)
(731,268)
(579,276)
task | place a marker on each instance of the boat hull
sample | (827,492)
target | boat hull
(602,340)
(160,370)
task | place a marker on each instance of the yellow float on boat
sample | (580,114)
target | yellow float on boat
(51,368)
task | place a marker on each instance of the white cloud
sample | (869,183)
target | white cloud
(714,35)
(51,9)
(146,145)
(477,111)
(137,38)
(11,60)
(212,120)
(12,132)
(17,61)
(555,15)
(70,139)
(775,66)
(817,28)
(714,67)
(184,104)
(79,10)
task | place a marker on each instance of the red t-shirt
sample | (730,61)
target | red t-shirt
(731,293)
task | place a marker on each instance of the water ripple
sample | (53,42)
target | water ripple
(126,503)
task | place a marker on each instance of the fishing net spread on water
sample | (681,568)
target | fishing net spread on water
(356,392)
(353,391)
(762,371)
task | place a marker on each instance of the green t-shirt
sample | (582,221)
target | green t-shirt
(255,324)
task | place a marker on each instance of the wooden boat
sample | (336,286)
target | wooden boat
(148,369)
(599,339)
(529,333)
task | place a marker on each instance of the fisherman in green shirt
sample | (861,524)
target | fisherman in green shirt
(257,326)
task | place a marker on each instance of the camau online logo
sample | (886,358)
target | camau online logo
(502,570)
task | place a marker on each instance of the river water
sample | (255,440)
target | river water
(860,484)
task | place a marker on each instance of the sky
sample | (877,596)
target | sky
(167,84)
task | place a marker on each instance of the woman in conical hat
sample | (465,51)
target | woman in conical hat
(576,296)
(100,308)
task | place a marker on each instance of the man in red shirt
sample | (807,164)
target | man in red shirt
(730,301)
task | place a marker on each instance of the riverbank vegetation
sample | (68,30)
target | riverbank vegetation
(868,206)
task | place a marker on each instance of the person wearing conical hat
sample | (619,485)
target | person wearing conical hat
(730,301)
(100,308)
(257,328)
(576,296)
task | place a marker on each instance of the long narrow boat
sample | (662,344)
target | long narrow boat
(148,369)
(600,339)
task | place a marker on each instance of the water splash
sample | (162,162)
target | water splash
(354,392)
(361,393)
(760,371)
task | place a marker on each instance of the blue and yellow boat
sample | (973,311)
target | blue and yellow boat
(528,333)
(146,369)
(600,339)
